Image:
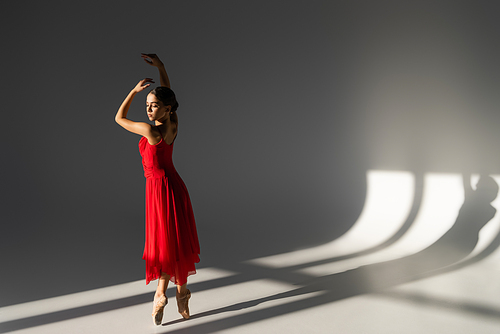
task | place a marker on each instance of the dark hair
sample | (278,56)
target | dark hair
(166,96)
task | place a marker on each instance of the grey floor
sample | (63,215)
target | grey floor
(312,290)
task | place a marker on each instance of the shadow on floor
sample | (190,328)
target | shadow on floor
(443,256)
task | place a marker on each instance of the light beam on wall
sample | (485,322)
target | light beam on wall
(388,203)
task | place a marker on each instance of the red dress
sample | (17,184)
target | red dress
(171,239)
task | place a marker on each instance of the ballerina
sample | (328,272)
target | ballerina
(171,247)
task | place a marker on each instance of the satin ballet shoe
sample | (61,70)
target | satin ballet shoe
(182,304)
(158,307)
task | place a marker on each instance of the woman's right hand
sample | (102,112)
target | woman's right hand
(152,59)
(143,84)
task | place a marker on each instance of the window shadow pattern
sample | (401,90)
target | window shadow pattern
(443,256)
(449,253)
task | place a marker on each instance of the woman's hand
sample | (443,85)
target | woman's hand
(142,85)
(141,128)
(152,59)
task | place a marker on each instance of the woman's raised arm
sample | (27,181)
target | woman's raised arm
(140,128)
(153,60)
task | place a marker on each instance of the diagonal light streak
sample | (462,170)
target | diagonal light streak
(443,196)
(388,202)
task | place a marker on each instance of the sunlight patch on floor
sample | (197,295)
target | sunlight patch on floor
(459,301)
(95,296)
(388,202)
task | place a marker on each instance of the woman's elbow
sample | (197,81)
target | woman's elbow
(119,120)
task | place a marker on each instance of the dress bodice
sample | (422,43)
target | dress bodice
(156,159)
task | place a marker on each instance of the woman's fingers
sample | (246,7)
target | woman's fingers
(143,84)
(145,81)
(151,59)
(148,57)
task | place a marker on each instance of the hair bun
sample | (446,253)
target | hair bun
(175,106)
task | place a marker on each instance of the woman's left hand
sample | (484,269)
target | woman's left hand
(143,84)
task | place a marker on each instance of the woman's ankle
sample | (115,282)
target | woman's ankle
(159,295)
(182,290)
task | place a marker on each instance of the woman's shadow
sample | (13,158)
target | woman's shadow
(455,245)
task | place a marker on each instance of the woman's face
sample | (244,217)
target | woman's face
(155,108)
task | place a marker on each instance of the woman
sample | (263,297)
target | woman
(171,248)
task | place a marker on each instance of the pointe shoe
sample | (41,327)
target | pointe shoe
(182,304)
(158,307)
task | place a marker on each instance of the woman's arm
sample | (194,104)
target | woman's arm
(153,60)
(141,128)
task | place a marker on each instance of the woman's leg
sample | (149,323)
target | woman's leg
(183,295)
(162,285)
(160,299)
(181,289)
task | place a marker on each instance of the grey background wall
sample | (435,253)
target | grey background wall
(284,106)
